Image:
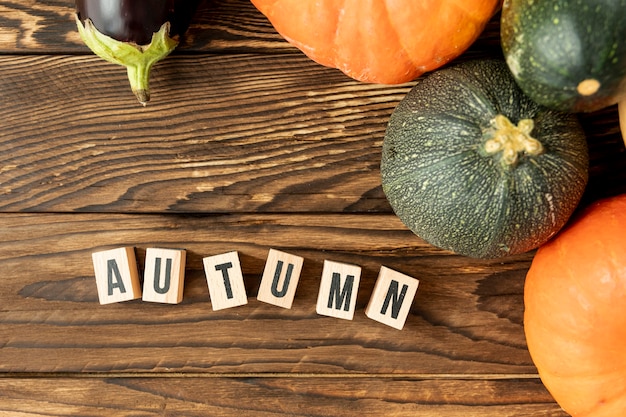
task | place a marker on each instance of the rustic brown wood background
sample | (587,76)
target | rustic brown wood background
(246,145)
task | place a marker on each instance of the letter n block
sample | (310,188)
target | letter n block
(280,278)
(225,281)
(392,298)
(164,275)
(117,277)
(338,290)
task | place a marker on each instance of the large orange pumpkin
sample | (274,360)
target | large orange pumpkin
(380,41)
(575,312)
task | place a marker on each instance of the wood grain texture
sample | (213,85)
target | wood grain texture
(48,26)
(275,397)
(246,145)
(466,317)
(284,135)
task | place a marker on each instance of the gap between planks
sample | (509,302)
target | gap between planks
(208,375)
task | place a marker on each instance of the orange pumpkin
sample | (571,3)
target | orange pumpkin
(380,41)
(575,312)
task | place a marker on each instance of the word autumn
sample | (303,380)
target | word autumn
(117,280)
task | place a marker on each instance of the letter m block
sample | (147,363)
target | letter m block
(338,290)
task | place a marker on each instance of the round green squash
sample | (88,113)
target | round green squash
(472,165)
(569,55)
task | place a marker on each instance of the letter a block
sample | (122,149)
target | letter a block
(164,275)
(392,298)
(280,278)
(338,290)
(117,277)
(225,281)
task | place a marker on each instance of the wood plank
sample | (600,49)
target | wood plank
(48,26)
(466,317)
(235,133)
(274,397)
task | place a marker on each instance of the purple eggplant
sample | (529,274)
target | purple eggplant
(134,33)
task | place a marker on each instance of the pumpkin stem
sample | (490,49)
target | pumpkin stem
(512,140)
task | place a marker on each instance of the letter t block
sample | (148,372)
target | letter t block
(392,298)
(225,280)
(117,277)
(164,275)
(338,290)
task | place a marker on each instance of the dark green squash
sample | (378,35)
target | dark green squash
(569,55)
(472,165)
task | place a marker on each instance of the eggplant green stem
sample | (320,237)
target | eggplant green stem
(138,59)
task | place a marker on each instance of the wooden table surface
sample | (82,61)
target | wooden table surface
(246,145)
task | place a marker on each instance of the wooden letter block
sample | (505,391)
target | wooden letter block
(117,277)
(225,281)
(338,290)
(280,278)
(164,275)
(392,298)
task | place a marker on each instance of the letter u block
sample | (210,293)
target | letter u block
(117,277)
(280,278)
(392,298)
(338,290)
(164,275)
(225,280)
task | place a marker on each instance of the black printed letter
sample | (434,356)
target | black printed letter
(283,291)
(157,274)
(395,299)
(340,296)
(112,269)
(224,268)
